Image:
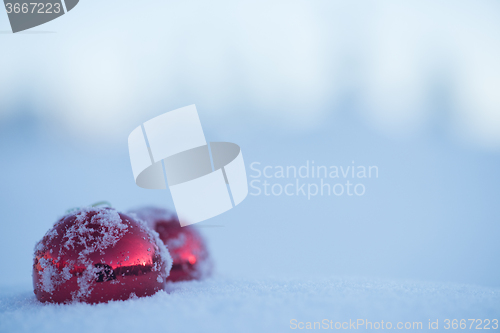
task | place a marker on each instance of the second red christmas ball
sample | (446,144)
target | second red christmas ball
(191,259)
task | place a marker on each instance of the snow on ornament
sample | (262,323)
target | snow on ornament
(191,259)
(97,254)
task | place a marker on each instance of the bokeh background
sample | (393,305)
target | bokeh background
(412,87)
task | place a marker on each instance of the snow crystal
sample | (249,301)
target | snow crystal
(50,276)
(161,248)
(175,243)
(85,282)
(105,221)
(39,246)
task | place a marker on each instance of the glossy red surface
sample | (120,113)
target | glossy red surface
(92,257)
(191,259)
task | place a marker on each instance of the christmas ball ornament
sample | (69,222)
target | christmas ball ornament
(186,245)
(96,255)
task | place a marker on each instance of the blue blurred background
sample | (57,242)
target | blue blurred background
(412,87)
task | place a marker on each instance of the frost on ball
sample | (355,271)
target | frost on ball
(96,255)
(189,252)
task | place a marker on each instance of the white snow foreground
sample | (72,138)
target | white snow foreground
(235,305)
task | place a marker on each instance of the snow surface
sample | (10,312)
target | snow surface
(236,305)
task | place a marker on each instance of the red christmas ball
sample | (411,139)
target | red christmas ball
(186,245)
(96,255)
